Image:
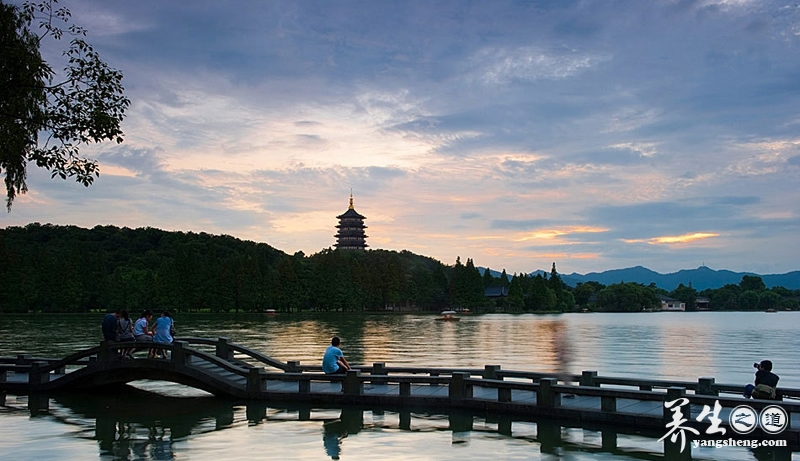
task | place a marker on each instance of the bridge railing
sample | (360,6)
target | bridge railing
(548,391)
(227,350)
(224,356)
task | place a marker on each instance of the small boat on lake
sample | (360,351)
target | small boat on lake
(270,312)
(448,316)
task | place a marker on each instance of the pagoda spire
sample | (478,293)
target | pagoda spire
(351,200)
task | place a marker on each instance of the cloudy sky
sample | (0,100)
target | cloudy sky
(593,134)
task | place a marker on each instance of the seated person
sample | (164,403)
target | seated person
(141,330)
(765,383)
(163,331)
(109,325)
(333,361)
(124,332)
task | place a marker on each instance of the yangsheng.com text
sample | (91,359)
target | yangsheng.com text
(739,443)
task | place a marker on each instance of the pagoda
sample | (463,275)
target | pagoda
(351,227)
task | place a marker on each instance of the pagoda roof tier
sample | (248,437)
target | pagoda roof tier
(351,213)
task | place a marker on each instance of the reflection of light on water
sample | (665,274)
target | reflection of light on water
(350,433)
(169,389)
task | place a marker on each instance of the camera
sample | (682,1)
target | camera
(756,365)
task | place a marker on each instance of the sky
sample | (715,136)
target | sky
(595,135)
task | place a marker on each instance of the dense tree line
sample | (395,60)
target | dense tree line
(51,268)
(531,293)
(750,294)
(48,268)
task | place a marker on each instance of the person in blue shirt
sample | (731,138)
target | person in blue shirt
(333,361)
(142,332)
(163,331)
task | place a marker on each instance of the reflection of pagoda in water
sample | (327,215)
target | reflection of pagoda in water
(351,227)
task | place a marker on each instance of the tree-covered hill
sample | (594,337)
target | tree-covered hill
(71,269)
(49,268)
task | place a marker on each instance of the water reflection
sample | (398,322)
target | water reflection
(350,422)
(134,424)
(131,424)
(658,345)
(143,426)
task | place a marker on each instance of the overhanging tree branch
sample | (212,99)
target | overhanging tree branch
(87,106)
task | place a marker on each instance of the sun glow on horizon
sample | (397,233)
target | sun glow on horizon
(685,238)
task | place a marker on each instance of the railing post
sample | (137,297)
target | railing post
(705,386)
(179,355)
(256,381)
(352,383)
(405,389)
(588,378)
(304,385)
(293,366)
(3,377)
(35,375)
(608,404)
(23,359)
(547,397)
(458,388)
(490,371)
(504,394)
(223,349)
(102,354)
(675,393)
(379,369)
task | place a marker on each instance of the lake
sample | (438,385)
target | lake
(174,422)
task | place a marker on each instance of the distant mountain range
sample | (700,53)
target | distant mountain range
(701,278)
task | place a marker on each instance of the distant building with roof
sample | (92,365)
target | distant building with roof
(671,304)
(495,292)
(351,235)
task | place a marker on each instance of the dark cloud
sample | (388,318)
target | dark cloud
(309,140)
(521,224)
(143,161)
(735,200)
(616,156)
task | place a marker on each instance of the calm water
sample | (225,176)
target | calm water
(186,424)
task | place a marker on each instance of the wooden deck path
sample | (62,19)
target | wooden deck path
(223,368)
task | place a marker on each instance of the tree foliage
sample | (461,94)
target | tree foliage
(47,115)
(48,268)
(628,297)
(70,269)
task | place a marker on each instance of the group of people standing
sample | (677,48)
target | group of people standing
(118,327)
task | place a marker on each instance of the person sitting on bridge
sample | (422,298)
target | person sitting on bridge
(124,332)
(163,331)
(765,384)
(142,332)
(333,361)
(109,325)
